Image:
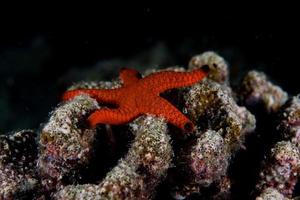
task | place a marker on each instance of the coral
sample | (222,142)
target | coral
(139,172)
(256,89)
(205,161)
(271,194)
(65,144)
(281,169)
(289,121)
(68,159)
(142,96)
(17,165)
(217,65)
(96,85)
(174,69)
(212,106)
(202,162)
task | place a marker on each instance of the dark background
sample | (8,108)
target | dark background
(43,50)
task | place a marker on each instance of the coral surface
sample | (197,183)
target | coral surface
(257,89)
(146,156)
(65,144)
(281,170)
(271,194)
(218,67)
(139,172)
(18,153)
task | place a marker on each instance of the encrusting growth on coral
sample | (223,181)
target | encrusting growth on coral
(18,176)
(281,169)
(142,97)
(66,146)
(257,89)
(139,172)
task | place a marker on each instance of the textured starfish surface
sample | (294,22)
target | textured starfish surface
(140,96)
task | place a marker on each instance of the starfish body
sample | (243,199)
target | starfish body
(140,96)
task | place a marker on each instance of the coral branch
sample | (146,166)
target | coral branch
(205,161)
(289,121)
(257,89)
(213,107)
(281,169)
(18,178)
(218,68)
(136,175)
(271,194)
(201,163)
(65,146)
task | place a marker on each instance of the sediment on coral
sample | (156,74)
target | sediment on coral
(66,145)
(139,172)
(18,153)
(256,89)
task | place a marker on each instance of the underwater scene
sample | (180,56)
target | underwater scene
(201,111)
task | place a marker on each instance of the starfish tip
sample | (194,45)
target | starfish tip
(189,127)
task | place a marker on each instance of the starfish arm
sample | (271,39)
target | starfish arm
(129,76)
(162,107)
(111,116)
(101,95)
(162,81)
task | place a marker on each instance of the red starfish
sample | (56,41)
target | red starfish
(139,96)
